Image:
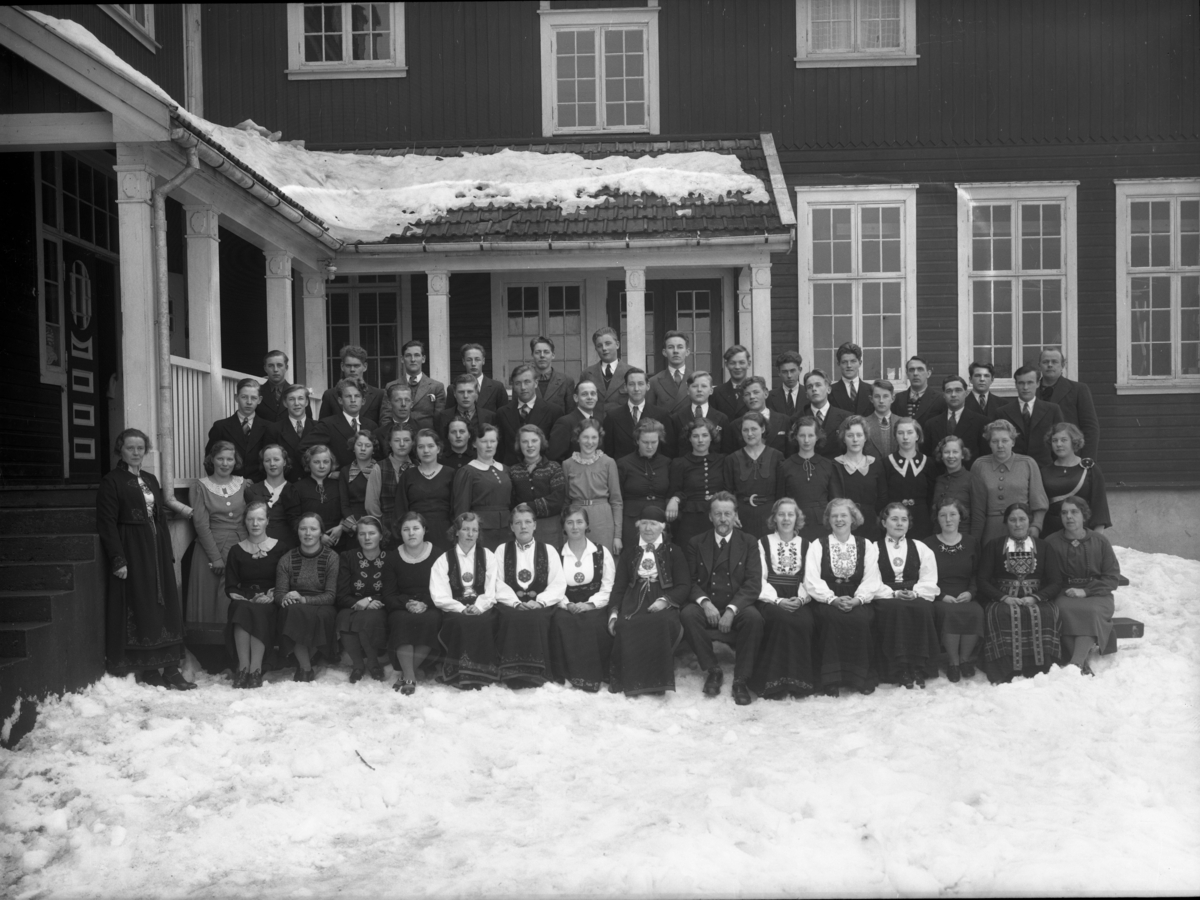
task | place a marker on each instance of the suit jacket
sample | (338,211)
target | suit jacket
(1032,441)
(562,444)
(779,427)
(776,402)
(680,421)
(839,396)
(559,390)
(931,404)
(543,415)
(429,398)
(335,433)
(283,434)
(492,394)
(969,427)
(834,418)
(745,570)
(665,393)
(271,409)
(728,400)
(879,445)
(248,445)
(995,403)
(374,402)
(614,395)
(441,421)
(618,430)
(1075,400)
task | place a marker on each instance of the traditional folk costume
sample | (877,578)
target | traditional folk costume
(844,645)
(580,645)
(526,574)
(363,632)
(1019,639)
(457,580)
(785,662)
(906,635)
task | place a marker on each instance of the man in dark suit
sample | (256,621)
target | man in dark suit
(669,387)
(957,420)
(609,372)
(398,411)
(275,365)
(620,422)
(981,399)
(850,392)
(1074,398)
(289,432)
(587,406)
(490,393)
(337,431)
(788,398)
(1033,417)
(829,417)
(726,580)
(245,429)
(427,395)
(919,401)
(554,387)
(354,367)
(526,408)
(779,426)
(727,396)
(464,405)
(698,407)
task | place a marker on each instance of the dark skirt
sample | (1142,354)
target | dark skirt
(754,518)
(1087,617)
(1024,640)
(259,620)
(523,645)
(905,636)
(470,649)
(958,618)
(687,526)
(844,646)
(414,629)
(580,647)
(643,653)
(143,614)
(785,662)
(309,626)
(368,625)
(491,538)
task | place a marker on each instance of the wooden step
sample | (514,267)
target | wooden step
(37,576)
(47,547)
(65,520)
(14,637)
(29,606)
(41,497)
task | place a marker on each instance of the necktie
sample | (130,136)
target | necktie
(1027,416)
(953,417)
(678,377)
(698,413)
(245,426)
(791,402)
(524,411)
(413,382)
(354,422)
(607,374)
(913,402)
(853,392)
(636,413)
(884,424)
(299,423)
(820,419)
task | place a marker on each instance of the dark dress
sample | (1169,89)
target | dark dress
(810,482)
(785,663)
(580,645)
(249,576)
(747,477)
(644,482)
(1085,481)
(694,480)
(957,486)
(1089,564)
(404,581)
(354,503)
(844,644)
(312,623)
(143,617)
(359,577)
(957,567)
(325,499)
(906,636)
(868,490)
(455,461)
(643,653)
(432,498)
(282,513)
(545,489)
(911,481)
(488,493)
(1021,639)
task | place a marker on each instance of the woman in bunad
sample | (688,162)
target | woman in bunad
(911,476)
(460,440)
(278,495)
(904,622)
(320,494)
(752,474)
(483,486)
(807,477)
(1003,478)
(250,584)
(427,488)
(651,583)
(352,485)
(1070,475)
(955,482)
(1090,574)
(785,662)
(841,573)
(361,616)
(860,478)
(580,644)
(218,502)
(383,480)
(695,477)
(644,476)
(462,584)
(540,483)
(956,612)
(529,588)
(305,588)
(1019,579)
(592,481)
(413,620)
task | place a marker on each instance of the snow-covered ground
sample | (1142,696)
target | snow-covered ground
(1057,785)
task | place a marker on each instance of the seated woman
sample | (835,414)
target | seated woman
(305,588)
(592,481)
(352,485)
(250,584)
(384,478)
(1090,574)
(361,617)
(278,494)
(907,637)
(462,584)
(484,486)
(841,572)
(785,662)
(218,503)
(807,477)
(1001,479)
(1071,476)
(955,482)
(413,620)
(651,583)
(1018,581)
(752,473)
(320,494)
(695,477)
(428,488)
(540,483)
(644,476)
(529,587)
(860,477)
(580,644)
(910,475)
(956,612)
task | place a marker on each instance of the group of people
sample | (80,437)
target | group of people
(580,530)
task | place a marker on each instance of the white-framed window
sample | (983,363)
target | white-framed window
(1158,286)
(858,276)
(552,309)
(364,310)
(599,70)
(345,40)
(848,33)
(137,19)
(1017,280)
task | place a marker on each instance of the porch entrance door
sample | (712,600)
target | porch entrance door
(91,361)
(692,306)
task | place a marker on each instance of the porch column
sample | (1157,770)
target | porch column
(316,338)
(635,317)
(204,303)
(760,303)
(139,337)
(745,322)
(280,333)
(439,327)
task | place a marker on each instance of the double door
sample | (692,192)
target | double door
(692,306)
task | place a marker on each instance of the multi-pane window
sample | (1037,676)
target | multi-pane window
(694,317)
(141,13)
(855,32)
(363,310)
(345,40)
(552,310)
(136,18)
(52,313)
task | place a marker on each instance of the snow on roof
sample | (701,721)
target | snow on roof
(366,197)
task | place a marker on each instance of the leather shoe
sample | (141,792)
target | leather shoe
(712,684)
(376,673)
(741,694)
(175,681)
(967,669)
(356,675)
(253,679)
(239,679)
(830,690)
(954,674)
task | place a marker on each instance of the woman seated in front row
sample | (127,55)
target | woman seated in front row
(305,589)
(361,618)
(462,584)
(580,644)
(957,612)
(413,620)
(904,623)
(250,585)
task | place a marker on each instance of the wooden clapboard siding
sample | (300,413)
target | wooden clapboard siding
(24,88)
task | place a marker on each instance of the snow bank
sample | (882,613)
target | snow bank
(1056,785)
(364,197)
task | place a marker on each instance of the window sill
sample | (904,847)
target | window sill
(54,377)
(853,61)
(566,132)
(131,26)
(344,74)
(1159,387)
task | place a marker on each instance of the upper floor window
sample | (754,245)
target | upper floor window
(1158,285)
(345,40)
(599,70)
(849,33)
(136,18)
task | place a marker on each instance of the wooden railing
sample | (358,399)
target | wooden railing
(190,390)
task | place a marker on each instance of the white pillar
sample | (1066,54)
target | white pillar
(635,317)
(760,304)
(439,326)
(745,320)
(139,336)
(280,332)
(316,338)
(204,302)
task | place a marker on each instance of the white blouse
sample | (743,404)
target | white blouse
(786,560)
(819,590)
(439,580)
(555,593)
(579,570)
(892,569)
